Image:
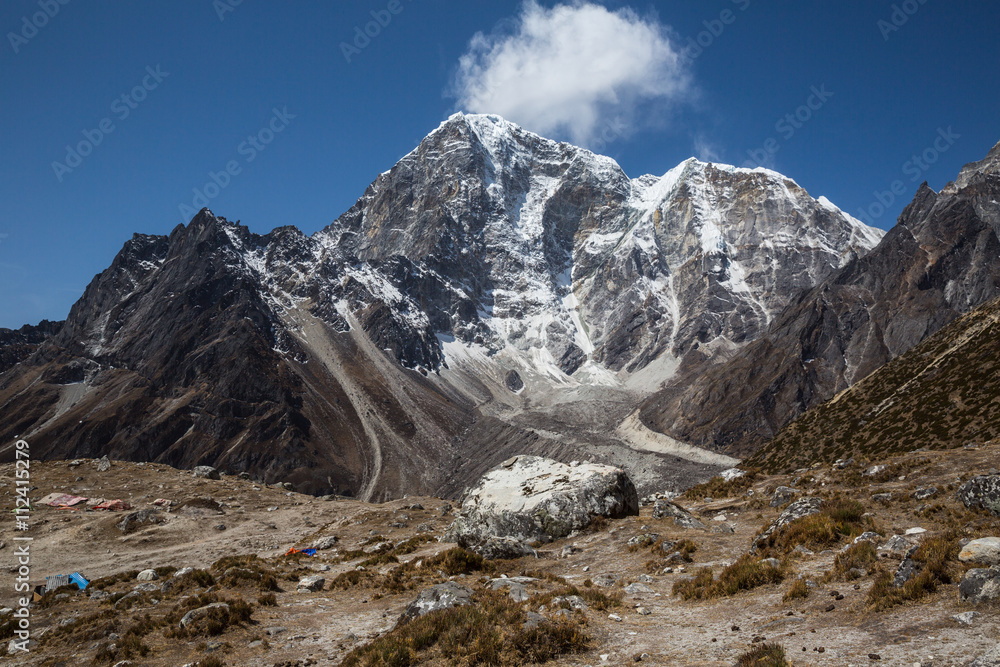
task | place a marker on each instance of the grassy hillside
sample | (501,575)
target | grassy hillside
(944,393)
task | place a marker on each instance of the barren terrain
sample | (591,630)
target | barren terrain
(324,626)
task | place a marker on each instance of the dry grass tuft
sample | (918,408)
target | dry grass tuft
(860,556)
(837,518)
(746,573)
(938,559)
(490,631)
(770,654)
(798,591)
(720,488)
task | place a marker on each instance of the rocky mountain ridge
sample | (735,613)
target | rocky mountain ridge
(941,260)
(494,293)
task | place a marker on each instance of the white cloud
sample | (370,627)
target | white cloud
(576,70)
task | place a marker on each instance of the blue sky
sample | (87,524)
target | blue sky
(201,76)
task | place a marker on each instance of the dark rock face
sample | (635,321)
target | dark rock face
(498,548)
(941,260)
(513,381)
(907,569)
(983,492)
(17,345)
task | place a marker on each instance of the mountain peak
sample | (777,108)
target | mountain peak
(988,165)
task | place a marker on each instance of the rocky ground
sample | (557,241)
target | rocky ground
(623,572)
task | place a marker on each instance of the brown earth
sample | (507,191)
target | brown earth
(322,627)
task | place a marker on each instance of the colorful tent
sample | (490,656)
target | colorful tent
(55,581)
(61,500)
(293,551)
(116,505)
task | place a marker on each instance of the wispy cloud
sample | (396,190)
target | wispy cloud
(706,151)
(568,70)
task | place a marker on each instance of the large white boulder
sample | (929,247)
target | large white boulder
(530,498)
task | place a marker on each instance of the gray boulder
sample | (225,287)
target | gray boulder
(638,589)
(605,580)
(800,508)
(516,589)
(443,596)
(324,543)
(573,601)
(980,585)
(201,612)
(135,520)
(665,509)
(897,545)
(924,493)
(782,495)
(966,617)
(310,584)
(906,571)
(982,492)
(206,472)
(103,464)
(989,659)
(984,551)
(147,575)
(530,498)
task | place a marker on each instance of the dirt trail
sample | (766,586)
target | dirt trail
(637,436)
(314,336)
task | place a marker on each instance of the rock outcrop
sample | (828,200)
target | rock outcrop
(533,499)
(663,508)
(442,596)
(984,551)
(980,585)
(981,492)
(800,508)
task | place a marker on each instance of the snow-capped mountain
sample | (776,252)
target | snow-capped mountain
(493,292)
(942,259)
(550,253)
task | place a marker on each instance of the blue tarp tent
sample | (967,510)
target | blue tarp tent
(54,582)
